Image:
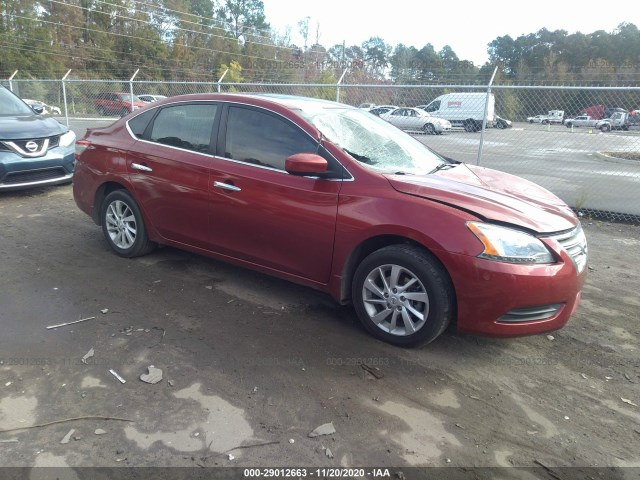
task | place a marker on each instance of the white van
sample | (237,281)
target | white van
(462,109)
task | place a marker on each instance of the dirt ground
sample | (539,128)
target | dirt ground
(255,362)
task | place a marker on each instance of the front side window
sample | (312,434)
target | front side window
(263,139)
(185,126)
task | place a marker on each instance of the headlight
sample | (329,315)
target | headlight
(508,245)
(67,139)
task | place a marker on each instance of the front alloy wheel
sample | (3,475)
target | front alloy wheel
(429,129)
(402,295)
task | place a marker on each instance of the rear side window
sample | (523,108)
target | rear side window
(185,126)
(139,124)
(263,139)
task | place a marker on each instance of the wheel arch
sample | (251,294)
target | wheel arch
(370,245)
(101,193)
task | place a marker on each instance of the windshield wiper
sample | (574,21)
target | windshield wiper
(360,158)
(443,166)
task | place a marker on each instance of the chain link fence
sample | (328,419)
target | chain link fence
(558,137)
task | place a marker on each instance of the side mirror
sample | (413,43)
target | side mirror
(305,164)
(38,109)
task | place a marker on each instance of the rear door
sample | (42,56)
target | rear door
(261,214)
(170,168)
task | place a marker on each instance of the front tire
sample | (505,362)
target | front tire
(429,129)
(403,296)
(123,225)
(605,128)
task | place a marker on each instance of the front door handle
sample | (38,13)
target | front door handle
(227,186)
(140,167)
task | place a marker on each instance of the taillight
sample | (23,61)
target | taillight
(81,146)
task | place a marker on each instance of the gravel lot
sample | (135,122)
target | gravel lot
(248,359)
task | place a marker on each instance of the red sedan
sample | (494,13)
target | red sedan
(329,196)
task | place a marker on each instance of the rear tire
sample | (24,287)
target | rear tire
(605,128)
(123,225)
(403,296)
(468,125)
(101,111)
(124,112)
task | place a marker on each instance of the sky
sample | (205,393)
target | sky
(466,26)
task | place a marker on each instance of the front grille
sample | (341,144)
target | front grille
(575,244)
(13,178)
(37,147)
(531,314)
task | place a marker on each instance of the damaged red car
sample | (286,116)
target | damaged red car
(331,197)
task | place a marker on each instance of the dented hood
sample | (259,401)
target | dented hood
(492,195)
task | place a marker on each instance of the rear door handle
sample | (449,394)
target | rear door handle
(227,186)
(140,167)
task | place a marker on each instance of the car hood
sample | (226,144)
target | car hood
(492,195)
(24,127)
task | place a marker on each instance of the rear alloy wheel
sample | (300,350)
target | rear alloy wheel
(101,111)
(402,295)
(124,112)
(123,226)
(429,129)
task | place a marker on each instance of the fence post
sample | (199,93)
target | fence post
(11,78)
(220,79)
(484,117)
(338,84)
(131,87)
(64,96)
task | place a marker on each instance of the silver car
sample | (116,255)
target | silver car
(415,119)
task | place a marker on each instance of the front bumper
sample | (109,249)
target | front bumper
(54,168)
(507,300)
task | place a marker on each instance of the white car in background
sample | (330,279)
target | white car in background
(415,119)
(46,109)
(146,98)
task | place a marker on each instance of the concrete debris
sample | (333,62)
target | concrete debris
(328,453)
(255,389)
(627,401)
(326,429)
(170,382)
(551,337)
(99,431)
(583,376)
(67,437)
(104,310)
(566,417)
(11,440)
(8,384)
(115,374)
(291,440)
(231,457)
(88,355)
(153,376)
(448,460)
(77,437)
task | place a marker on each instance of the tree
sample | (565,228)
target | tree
(244,17)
